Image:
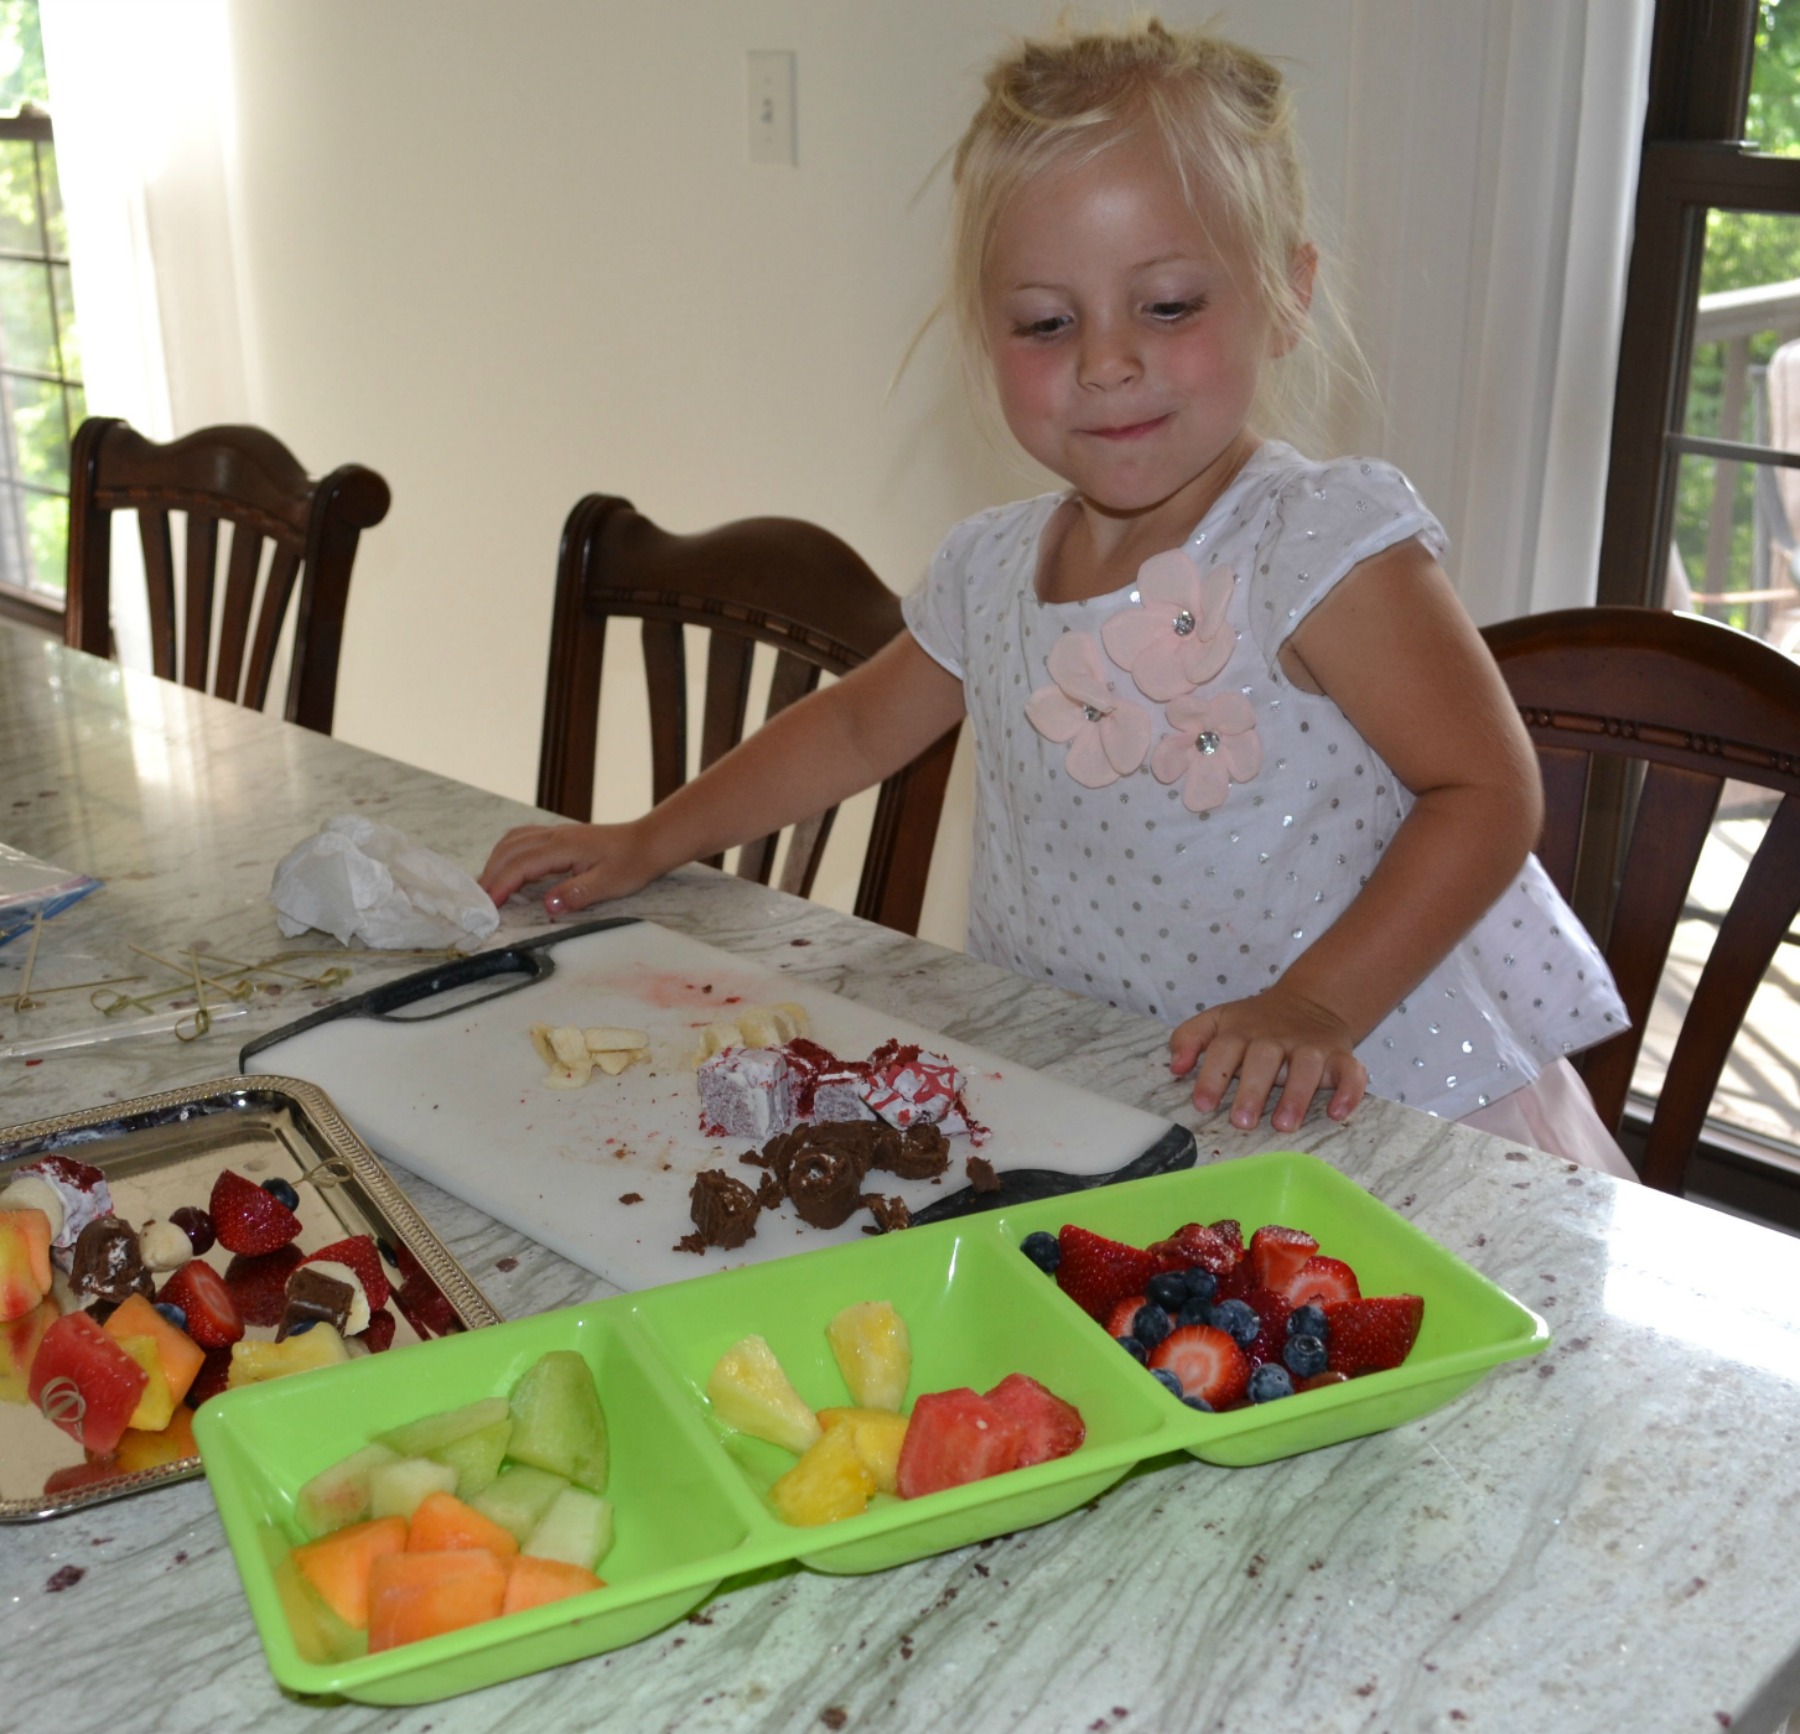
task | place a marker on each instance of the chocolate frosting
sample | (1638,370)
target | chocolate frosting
(108,1261)
(724,1209)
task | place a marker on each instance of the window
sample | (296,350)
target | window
(41,397)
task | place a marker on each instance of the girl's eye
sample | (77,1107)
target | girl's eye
(1169,312)
(1049,326)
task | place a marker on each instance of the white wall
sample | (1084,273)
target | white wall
(511,254)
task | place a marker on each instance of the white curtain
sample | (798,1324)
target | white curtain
(1493,161)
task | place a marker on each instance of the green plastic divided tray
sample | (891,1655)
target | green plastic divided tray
(689,1495)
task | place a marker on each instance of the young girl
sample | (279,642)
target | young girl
(1244,763)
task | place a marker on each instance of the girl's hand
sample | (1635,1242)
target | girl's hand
(1259,1040)
(603,861)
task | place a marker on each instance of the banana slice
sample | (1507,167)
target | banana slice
(614,1060)
(540,1039)
(561,1077)
(613,1041)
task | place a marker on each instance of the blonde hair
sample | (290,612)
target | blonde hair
(1221,112)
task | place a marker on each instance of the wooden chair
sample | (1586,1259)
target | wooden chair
(774,581)
(1692,703)
(247,479)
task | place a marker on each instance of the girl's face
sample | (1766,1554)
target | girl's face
(1126,335)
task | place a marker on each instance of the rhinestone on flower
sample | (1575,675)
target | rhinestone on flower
(1092,715)
(1184,623)
(1208,743)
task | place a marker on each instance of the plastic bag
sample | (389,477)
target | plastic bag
(30,889)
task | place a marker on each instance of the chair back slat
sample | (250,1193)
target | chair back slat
(202,563)
(159,578)
(1694,704)
(773,581)
(1565,799)
(241,570)
(244,477)
(259,661)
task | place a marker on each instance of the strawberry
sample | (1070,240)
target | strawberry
(246,1218)
(1097,1273)
(1319,1380)
(1051,1427)
(214,1374)
(1124,1315)
(1207,1362)
(358,1252)
(1273,1310)
(213,1319)
(378,1334)
(1322,1281)
(259,1285)
(423,1306)
(1277,1253)
(1371,1335)
(1194,1245)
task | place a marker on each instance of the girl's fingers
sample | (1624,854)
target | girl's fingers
(1306,1071)
(1217,1070)
(1256,1078)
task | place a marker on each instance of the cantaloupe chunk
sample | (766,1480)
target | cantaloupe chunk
(530,1582)
(419,1595)
(181,1357)
(442,1523)
(156,1407)
(340,1565)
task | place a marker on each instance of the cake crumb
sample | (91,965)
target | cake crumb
(981,1173)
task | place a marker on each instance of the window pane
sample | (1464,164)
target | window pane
(47,533)
(41,434)
(65,321)
(1773,121)
(27,339)
(58,232)
(20,229)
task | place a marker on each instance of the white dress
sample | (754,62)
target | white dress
(1192,820)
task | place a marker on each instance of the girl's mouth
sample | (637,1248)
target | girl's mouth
(1130,431)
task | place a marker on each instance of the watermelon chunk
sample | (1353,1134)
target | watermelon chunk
(1051,1428)
(85,1382)
(955,1437)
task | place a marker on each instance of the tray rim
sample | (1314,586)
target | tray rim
(390,1677)
(333,1132)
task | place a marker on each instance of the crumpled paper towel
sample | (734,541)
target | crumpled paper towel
(359,880)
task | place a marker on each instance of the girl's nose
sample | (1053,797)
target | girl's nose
(1108,360)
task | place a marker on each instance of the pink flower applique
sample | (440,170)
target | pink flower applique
(1177,638)
(1215,744)
(1108,736)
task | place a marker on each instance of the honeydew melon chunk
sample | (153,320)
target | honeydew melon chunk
(339,1495)
(577,1528)
(396,1489)
(476,1457)
(425,1437)
(557,1421)
(518,1497)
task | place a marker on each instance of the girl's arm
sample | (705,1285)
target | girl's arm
(810,756)
(1394,649)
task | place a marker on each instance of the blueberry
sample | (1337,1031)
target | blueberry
(1202,1284)
(1199,1403)
(1195,1312)
(1133,1348)
(1238,1320)
(1044,1250)
(1304,1355)
(1167,1380)
(1308,1321)
(300,1329)
(1269,1381)
(177,1316)
(1151,1324)
(282,1192)
(1169,1289)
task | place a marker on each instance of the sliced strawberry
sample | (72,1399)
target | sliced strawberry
(1322,1281)
(1207,1362)
(358,1252)
(248,1219)
(1097,1273)
(1277,1253)
(259,1285)
(1318,1380)
(1273,1310)
(423,1305)
(1231,1231)
(1050,1427)
(213,1319)
(1193,1244)
(214,1374)
(378,1334)
(1373,1334)
(1123,1316)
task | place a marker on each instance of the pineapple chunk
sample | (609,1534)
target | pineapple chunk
(877,1435)
(749,1391)
(252,1362)
(873,1352)
(829,1482)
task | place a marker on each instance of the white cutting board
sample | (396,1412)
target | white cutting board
(458,1097)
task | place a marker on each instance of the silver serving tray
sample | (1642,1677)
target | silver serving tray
(161,1152)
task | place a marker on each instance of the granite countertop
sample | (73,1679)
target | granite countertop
(1595,1538)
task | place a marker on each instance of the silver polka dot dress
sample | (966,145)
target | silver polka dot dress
(1165,853)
